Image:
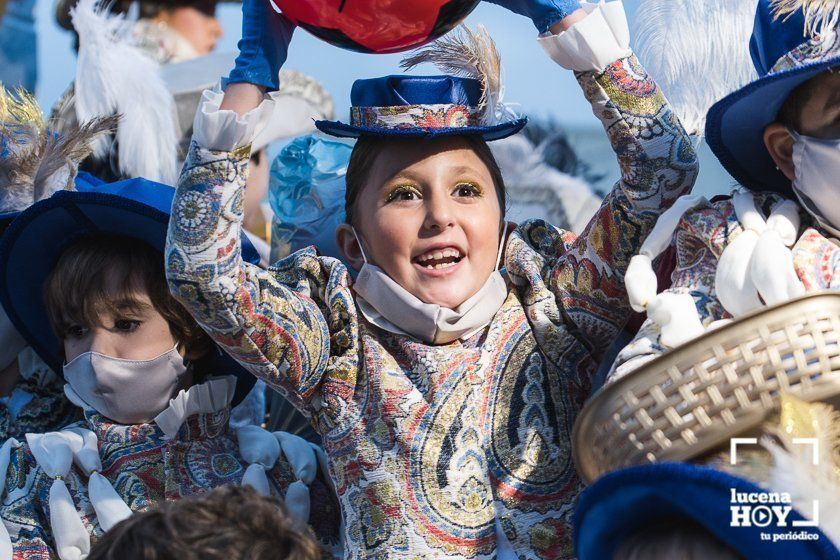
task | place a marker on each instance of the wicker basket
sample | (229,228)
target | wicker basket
(694,398)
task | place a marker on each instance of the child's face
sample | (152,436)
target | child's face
(137,331)
(817,116)
(430,218)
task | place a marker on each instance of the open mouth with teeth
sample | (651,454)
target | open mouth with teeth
(436,260)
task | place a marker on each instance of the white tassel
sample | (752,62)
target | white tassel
(677,318)
(109,506)
(733,288)
(297,501)
(53,454)
(261,450)
(756,269)
(641,283)
(113,76)
(300,455)
(256,477)
(5,458)
(675,314)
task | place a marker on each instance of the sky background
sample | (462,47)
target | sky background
(538,87)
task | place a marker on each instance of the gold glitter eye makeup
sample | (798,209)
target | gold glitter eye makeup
(403,192)
(468,189)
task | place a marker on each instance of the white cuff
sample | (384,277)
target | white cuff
(207,398)
(593,43)
(224,130)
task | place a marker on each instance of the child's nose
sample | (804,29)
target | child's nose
(439,214)
(101,342)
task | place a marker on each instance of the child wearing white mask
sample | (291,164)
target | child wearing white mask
(154,390)
(777,238)
(444,387)
(31,394)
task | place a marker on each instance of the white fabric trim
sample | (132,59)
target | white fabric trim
(224,130)
(675,314)
(756,269)
(304,463)
(593,43)
(207,398)
(260,449)
(109,506)
(640,279)
(53,454)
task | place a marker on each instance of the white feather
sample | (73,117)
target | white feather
(821,16)
(115,77)
(698,51)
(794,473)
(536,189)
(469,54)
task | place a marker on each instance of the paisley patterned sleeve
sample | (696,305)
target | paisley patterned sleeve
(28,524)
(277,333)
(658,164)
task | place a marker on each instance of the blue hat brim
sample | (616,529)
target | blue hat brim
(735,127)
(6,218)
(488,133)
(623,502)
(39,235)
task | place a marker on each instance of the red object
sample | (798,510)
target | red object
(376,26)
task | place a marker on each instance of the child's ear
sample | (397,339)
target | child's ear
(779,144)
(349,247)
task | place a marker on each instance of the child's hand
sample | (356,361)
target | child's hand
(544,13)
(263,46)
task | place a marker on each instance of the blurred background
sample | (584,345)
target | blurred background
(35,50)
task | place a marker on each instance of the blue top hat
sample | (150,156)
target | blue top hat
(36,238)
(419,107)
(785,57)
(623,502)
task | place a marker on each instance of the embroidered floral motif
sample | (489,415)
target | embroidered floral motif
(412,116)
(816,49)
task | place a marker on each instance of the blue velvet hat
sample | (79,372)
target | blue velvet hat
(623,502)
(419,107)
(36,238)
(787,49)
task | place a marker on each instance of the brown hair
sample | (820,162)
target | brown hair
(77,290)
(367,149)
(790,114)
(227,523)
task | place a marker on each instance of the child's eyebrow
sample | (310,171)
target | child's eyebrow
(130,304)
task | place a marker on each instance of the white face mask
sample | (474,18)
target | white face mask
(127,391)
(817,182)
(11,343)
(391,307)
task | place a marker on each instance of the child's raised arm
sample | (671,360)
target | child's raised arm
(279,333)
(655,155)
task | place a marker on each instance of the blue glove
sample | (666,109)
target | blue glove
(544,13)
(263,47)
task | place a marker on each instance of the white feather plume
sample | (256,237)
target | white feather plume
(821,16)
(698,51)
(794,471)
(115,77)
(469,54)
